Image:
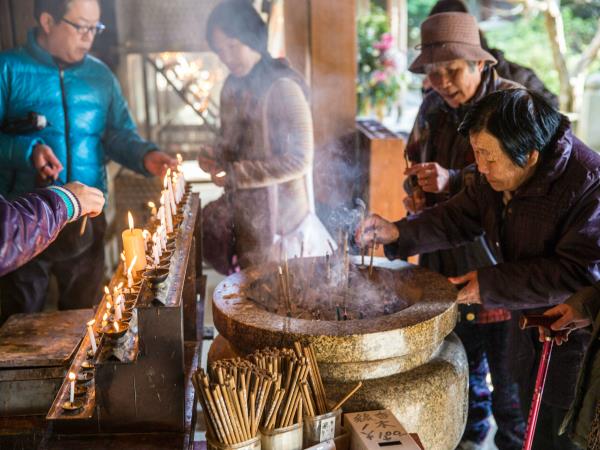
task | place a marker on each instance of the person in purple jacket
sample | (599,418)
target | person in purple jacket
(31,222)
(535,197)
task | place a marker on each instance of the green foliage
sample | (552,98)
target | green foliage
(378,80)
(525,40)
(417,13)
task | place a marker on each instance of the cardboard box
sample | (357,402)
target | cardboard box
(377,430)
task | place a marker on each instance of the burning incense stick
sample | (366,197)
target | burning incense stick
(372,252)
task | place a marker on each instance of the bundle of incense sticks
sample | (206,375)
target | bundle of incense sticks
(298,386)
(233,397)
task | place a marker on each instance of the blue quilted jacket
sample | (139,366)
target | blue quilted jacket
(89,122)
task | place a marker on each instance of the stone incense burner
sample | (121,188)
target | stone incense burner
(397,337)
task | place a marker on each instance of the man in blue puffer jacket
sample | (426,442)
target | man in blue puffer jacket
(88,124)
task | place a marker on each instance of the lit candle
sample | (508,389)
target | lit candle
(170,190)
(121,302)
(134,245)
(162,238)
(124,263)
(176,187)
(118,315)
(107,292)
(164,201)
(104,320)
(91,334)
(152,207)
(155,250)
(146,235)
(72,380)
(130,270)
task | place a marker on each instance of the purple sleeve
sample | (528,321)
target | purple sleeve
(28,225)
(443,226)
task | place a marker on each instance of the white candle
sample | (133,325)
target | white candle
(118,315)
(176,188)
(170,190)
(146,235)
(91,334)
(129,272)
(152,207)
(124,263)
(72,379)
(165,202)
(155,250)
(121,302)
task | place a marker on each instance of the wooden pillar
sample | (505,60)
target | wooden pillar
(321,44)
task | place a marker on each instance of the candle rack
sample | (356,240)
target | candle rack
(139,378)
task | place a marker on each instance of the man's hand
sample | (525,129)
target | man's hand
(90,199)
(431,176)
(386,232)
(157,163)
(567,320)
(206,159)
(45,162)
(415,203)
(219,177)
(470,293)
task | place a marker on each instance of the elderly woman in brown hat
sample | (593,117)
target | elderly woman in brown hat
(461,72)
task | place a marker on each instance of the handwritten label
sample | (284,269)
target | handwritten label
(327,429)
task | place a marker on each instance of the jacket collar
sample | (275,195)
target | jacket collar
(552,165)
(39,53)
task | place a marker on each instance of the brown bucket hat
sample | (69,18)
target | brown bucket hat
(448,36)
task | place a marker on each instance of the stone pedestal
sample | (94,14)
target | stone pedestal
(409,361)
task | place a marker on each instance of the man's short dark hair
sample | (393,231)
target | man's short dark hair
(520,119)
(56,8)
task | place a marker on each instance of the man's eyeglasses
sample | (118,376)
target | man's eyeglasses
(96,30)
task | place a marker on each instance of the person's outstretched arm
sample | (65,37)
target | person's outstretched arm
(31,222)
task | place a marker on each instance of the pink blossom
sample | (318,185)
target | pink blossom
(385,43)
(379,76)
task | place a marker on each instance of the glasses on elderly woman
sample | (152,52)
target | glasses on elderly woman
(96,30)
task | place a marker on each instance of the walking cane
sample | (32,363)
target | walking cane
(528,321)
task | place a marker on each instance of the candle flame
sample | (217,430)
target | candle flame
(130,220)
(123,256)
(168,172)
(91,322)
(105,317)
(108,305)
(151,205)
(71,376)
(165,181)
(221,174)
(106,291)
(119,286)
(116,325)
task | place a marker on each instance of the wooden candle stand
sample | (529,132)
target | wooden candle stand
(140,382)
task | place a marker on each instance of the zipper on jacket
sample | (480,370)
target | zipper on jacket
(67,127)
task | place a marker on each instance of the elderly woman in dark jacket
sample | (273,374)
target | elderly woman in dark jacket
(264,153)
(536,196)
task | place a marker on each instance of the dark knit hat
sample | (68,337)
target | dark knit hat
(239,20)
(448,36)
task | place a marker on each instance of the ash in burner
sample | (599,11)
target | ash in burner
(317,289)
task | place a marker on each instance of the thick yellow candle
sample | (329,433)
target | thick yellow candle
(134,245)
